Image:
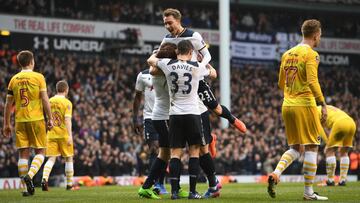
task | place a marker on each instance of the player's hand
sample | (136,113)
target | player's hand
(199,57)
(49,124)
(7,131)
(70,141)
(323,114)
(137,126)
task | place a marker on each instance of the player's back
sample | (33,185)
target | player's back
(144,84)
(162,98)
(60,108)
(333,114)
(293,77)
(26,87)
(183,81)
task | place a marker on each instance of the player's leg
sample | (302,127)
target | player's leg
(158,168)
(344,151)
(330,165)
(23,167)
(310,129)
(209,100)
(46,173)
(290,155)
(177,140)
(194,151)
(344,164)
(69,172)
(205,159)
(22,144)
(175,171)
(151,139)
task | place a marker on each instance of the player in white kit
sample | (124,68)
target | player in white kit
(160,119)
(183,77)
(144,87)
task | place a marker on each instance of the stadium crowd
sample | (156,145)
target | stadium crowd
(259,19)
(102,91)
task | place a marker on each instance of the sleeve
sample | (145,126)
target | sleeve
(198,42)
(281,81)
(68,110)
(312,64)
(162,64)
(10,91)
(203,71)
(42,83)
(200,45)
(139,85)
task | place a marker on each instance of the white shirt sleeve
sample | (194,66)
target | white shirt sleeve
(162,64)
(200,45)
(203,71)
(139,86)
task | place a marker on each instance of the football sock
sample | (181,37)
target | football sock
(330,167)
(47,169)
(36,165)
(23,167)
(162,174)
(158,167)
(69,172)
(226,114)
(207,165)
(286,159)
(309,168)
(193,172)
(175,168)
(344,167)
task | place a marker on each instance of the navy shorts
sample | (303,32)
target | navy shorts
(150,133)
(162,127)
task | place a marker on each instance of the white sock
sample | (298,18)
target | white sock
(36,165)
(330,167)
(23,167)
(310,166)
(344,167)
(69,172)
(47,169)
(286,159)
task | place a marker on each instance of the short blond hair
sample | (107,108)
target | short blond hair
(62,86)
(172,12)
(310,27)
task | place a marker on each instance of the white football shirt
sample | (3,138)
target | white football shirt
(162,98)
(144,84)
(183,82)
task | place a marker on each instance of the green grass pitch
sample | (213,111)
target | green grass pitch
(286,192)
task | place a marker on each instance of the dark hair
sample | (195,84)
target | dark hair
(310,27)
(167,50)
(24,58)
(172,12)
(61,86)
(184,47)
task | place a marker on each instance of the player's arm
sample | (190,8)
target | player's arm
(152,60)
(68,125)
(200,46)
(312,63)
(281,81)
(46,104)
(139,88)
(212,71)
(7,112)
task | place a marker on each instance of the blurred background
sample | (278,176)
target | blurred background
(99,47)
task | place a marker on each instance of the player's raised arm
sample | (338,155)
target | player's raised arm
(152,60)
(200,45)
(212,71)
